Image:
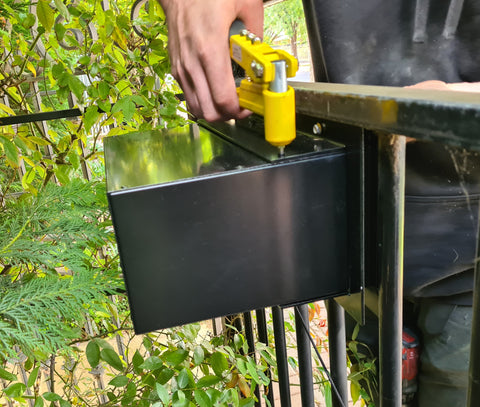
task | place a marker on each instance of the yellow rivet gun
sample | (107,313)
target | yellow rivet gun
(265,91)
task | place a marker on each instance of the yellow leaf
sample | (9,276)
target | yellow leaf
(244,387)
(119,38)
(7,109)
(31,68)
(354,391)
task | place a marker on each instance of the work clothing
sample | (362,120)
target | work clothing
(401,43)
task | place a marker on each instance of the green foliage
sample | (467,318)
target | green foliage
(286,19)
(363,375)
(161,371)
(53,272)
(118,77)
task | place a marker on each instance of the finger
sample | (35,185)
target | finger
(221,84)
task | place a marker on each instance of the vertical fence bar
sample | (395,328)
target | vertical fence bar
(473,395)
(263,337)
(281,352)
(247,320)
(337,352)
(391,194)
(304,356)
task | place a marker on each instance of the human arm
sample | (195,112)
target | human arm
(199,51)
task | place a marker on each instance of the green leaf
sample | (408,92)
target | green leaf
(112,358)
(152,363)
(58,70)
(219,363)
(28,178)
(104,105)
(38,402)
(175,357)
(157,45)
(84,60)
(355,332)
(208,381)
(103,343)
(62,9)
(165,375)
(15,390)
(247,402)
(180,399)
(93,354)
(38,141)
(137,361)
(119,381)
(45,14)
(126,106)
(49,396)
(62,172)
(103,90)
(252,369)
(29,21)
(198,355)
(162,393)
(74,159)
(182,379)
(60,31)
(65,403)
(90,117)
(11,151)
(32,378)
(202,398)
(7,375)
(76,86)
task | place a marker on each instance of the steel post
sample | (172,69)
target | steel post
(247,319)
(391,193)
(281,352)
(304,356)
(263,337)
(337,352)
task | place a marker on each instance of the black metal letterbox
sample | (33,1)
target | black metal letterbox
(206,228)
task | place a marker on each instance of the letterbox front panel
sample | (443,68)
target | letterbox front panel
(232,240)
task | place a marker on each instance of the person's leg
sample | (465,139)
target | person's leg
(443,378)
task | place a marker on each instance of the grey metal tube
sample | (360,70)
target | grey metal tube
(281,352)
(391,189)
(304,357)
(337,351)
(279,83)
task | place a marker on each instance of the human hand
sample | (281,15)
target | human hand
(199,52)
(440,85)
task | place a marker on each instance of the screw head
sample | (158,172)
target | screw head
(317,129)
(257,69)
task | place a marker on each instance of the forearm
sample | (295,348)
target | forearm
(199,51)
